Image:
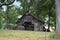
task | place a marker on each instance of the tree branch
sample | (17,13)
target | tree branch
(1,4)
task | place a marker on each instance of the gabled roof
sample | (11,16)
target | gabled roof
(27,13)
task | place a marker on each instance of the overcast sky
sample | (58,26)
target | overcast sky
(16,4)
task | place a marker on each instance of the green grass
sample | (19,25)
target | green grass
(26,35)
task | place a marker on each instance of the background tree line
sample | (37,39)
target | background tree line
(43,9)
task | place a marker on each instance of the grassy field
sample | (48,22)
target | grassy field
(26,35)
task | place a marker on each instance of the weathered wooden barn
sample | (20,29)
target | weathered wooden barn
(29,22)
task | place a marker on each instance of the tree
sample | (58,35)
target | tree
(57,16)
(7,3)
(41,8)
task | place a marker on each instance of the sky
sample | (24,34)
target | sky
(16,4)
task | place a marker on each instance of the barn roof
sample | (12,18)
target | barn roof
(28,13)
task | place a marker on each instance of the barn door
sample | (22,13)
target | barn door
(28,26)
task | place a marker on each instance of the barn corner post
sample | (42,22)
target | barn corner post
(57,2)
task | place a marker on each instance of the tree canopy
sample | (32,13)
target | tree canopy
(43,9)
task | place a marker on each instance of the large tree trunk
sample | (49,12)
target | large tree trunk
(7,15)
(49,19)
(0,19)
(36,7)
(57,16)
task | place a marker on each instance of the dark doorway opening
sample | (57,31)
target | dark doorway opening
(28,26)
